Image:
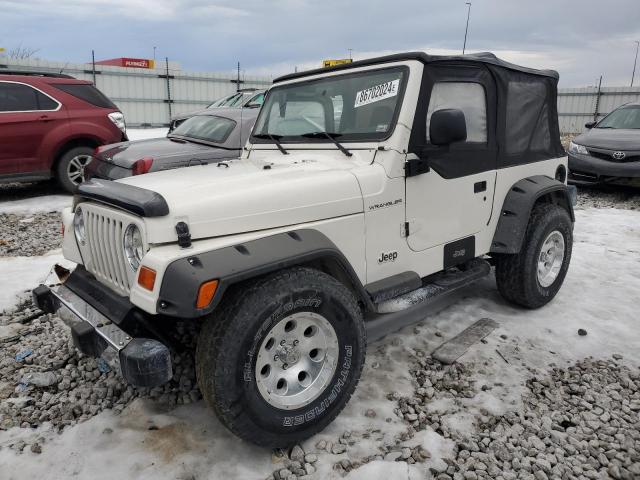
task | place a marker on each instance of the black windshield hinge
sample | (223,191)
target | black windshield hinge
(184,237)
(415,166)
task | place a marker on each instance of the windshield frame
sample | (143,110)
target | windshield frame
(292,140)
(204,140)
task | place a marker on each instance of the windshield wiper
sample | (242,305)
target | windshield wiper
(330,136)
(274,138)
(176,139)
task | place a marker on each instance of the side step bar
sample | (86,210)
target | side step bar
(438,292)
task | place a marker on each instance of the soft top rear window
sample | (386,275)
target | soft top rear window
(88,93)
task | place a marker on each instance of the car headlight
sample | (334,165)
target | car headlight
(576,148)
(78,226)
(133,246)
(118,120)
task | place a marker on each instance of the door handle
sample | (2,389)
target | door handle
(45,118)
(480,187)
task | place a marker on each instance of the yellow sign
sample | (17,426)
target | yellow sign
(333,63)
(1,49)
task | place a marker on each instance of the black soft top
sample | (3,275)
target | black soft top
(482,57)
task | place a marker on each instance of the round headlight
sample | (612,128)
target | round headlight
(133,246)
(78,226)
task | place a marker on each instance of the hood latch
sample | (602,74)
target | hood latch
(184,237)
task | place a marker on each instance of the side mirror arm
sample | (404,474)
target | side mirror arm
(416,165)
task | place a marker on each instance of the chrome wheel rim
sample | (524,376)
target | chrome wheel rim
(75,169)
(550,258)
(296,360)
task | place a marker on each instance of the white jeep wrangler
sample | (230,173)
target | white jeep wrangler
(367,193)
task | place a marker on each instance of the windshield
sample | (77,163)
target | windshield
(625,117)
(221,102)
(205,127)
(354,107)
(256,100)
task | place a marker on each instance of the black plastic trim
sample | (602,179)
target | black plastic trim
(236,263)
(136,200)
(115,307)
(390,287)
(516,209)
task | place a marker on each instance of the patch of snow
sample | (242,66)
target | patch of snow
(381,470)
(28,206)
(146,133)
(19,275)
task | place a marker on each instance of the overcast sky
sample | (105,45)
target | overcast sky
(582,39)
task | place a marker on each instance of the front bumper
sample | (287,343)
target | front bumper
(142,362)
(589,170)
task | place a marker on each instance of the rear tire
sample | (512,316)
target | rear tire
(70,168)
(532,277)
(244,347)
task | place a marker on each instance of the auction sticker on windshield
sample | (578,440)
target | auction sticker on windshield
(377,93)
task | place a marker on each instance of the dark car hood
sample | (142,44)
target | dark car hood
(125,154)
(610,138)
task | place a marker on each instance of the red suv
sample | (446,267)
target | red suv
(50,125)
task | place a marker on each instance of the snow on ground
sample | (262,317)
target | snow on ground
(145,133)
(600,295)
(26,206)
(19,275)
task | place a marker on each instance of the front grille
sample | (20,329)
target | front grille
(609,157)
(104,231)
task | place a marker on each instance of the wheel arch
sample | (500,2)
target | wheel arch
(84,141)
(237,264)
(516,209)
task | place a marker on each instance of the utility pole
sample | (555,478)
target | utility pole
(93,67)
(154,54)
(634,62)
(466,29)
(595,113)
(238,83)
(350,56)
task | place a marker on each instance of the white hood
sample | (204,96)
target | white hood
(242,195)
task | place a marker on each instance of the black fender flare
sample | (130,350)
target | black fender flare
(517,206)
(231,265)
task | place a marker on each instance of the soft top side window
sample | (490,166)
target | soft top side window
(469,97)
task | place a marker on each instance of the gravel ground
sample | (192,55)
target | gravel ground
(609,197)
(580,422)
(43,378)
(29,235)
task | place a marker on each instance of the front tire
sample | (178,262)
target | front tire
(70,168)
(532,277)
(281,357)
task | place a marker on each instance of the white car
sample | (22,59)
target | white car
(363,185)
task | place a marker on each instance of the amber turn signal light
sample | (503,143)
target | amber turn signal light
(206,293)
(146,278)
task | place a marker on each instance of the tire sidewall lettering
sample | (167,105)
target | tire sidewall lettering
(285,420)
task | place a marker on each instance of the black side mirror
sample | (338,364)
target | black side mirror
(447,126)
(590,124)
